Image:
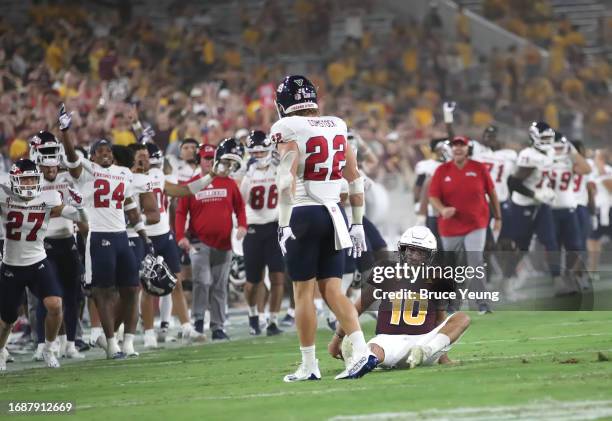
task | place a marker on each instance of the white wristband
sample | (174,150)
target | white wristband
(72,165)
(140,226)
(284,214)
(356,186)
(197,185)
(130,206)
(358,212)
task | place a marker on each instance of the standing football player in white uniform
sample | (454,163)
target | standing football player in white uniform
(60,243)
(424,169)
(532,196)
(110,264)
(25,213)
(501,163)
(567,163)
(183,169)
(312,227)
(584,198)
(151,161)
(261,249)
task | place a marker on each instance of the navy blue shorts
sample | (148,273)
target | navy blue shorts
(567,229)
(350,264)
(166,247)
(137,247)
(261,249)
(40,277)
(64,255)
(527,220)
(109,260)
(313,253)
(585,224)
(599,230)
(506,214)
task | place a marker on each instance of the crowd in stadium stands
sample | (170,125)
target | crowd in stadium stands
(192,79)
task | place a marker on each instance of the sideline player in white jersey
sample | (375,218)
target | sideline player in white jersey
(531,198)
(312,227)
(261,248)
(567,163)
(151,161)
(424,169)
(585,199)
(26,211)
(60,244)
(110,264)
(183,169)
(186,165)
(501,163)
(600,185)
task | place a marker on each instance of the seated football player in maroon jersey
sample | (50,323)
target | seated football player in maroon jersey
(412,328)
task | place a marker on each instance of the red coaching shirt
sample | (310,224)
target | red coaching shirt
(210,213)
(464,189)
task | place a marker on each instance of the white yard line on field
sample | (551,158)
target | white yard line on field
(547,410)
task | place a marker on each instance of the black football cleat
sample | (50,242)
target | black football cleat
(273,330)
(254,328)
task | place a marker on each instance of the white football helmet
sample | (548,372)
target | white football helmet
(45,149)
(417,238)
(21,170)
(444,150)
(541,135)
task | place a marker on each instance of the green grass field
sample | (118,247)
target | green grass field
(514,365)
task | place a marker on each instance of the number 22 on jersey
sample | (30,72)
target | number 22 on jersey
(316,166)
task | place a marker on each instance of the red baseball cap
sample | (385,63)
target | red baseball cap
(206,151)
(460,139)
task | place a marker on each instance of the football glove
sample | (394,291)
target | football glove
(147,135)
(149,247)
(65,119)
(76,198)
(284,234)
(448,108)
(359,241)
(545,195)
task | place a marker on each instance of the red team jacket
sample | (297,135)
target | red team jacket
(210,213)
(463,189)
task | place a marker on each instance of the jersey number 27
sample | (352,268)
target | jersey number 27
(14,221)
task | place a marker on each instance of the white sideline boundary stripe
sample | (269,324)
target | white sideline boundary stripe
(546,410)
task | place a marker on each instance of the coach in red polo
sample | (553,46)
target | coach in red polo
(458,191)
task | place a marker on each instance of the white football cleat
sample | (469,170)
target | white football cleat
(38,356)
(7,356)
(50,358)
(195,337)
(71,352)
(101,342)
(150,339)
(302,374)
(128,350)
(359,367)
(3,359)
(418,355)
